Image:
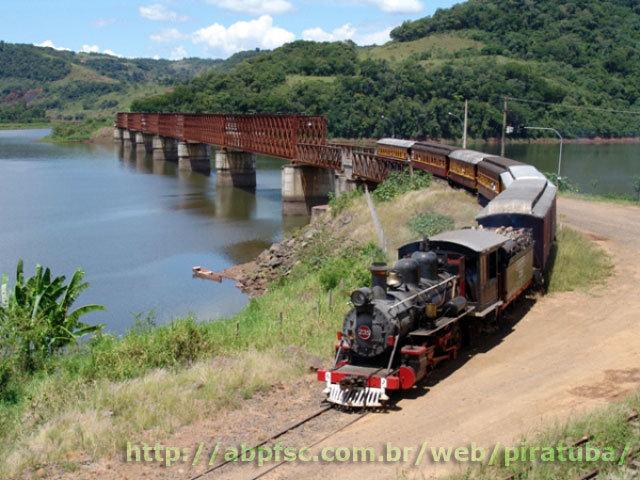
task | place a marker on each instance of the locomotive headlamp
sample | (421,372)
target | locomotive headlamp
(361,297)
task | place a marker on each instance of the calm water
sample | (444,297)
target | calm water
(136,227)
(612,166)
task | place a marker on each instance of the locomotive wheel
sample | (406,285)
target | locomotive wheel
(456,336)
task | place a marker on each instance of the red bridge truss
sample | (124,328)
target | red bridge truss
(300,138)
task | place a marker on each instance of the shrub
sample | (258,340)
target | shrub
(401,182)
(564,184)
(339,203)
(428,224)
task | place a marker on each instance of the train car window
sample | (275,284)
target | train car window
(493,265)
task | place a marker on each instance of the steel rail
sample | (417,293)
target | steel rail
(273,437)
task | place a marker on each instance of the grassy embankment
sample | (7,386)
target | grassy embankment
(151,381)
(80,131)
(606,428)
(24,126)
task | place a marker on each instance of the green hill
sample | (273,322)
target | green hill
(584,52)
(38,81)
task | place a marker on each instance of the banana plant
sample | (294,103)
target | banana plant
(38,311)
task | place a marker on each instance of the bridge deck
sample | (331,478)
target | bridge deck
(300,138)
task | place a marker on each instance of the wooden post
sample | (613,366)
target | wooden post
(280,320)
(329,300)
(237,328)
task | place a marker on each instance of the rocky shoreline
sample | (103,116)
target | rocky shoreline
(254,278)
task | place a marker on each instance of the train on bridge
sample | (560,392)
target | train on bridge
(447,287)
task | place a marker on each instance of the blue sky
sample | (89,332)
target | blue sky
(202,28)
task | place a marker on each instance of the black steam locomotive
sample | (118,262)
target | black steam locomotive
(412,317)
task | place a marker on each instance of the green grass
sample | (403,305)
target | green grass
(24,126)
(578,263)
(77,131)
(607,427)
(616,198)
(89,400)
(435,45)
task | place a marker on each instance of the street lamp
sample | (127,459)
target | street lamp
(393,128)
(464,125)
(561,140)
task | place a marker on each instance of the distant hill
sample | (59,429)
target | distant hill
(35,81)
(571,52)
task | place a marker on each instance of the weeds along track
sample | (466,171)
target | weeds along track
(314,423)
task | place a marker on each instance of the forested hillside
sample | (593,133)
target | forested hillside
(35,80)
(584,52)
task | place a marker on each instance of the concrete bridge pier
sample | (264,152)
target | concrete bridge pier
(194,157)
(164,148)
(117,135)
(126,138)
(304,187)
(237,169)
(141,141)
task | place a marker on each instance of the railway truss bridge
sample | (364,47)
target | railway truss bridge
(316,166)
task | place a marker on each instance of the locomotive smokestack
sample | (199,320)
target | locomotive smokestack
(379,275)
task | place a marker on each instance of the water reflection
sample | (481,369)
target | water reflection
(135,225)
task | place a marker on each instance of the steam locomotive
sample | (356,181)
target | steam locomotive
(414,315)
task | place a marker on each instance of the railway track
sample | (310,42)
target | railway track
(216,468)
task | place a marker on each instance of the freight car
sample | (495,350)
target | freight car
(527,203)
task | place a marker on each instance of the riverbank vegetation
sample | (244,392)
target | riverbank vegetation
(78,131)
(84,402)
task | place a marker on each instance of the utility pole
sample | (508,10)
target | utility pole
(504,126)
(466,117)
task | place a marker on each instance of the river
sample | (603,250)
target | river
(137,226)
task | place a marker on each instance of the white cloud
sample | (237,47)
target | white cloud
(398,6)
(156,57)
(96,49)
(243,35)
(160,13)
(167,35)
(49,43)
(377,38)
(91,48)
(178,53)
(347,32)
(254,7)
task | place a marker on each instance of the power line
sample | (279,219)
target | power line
(574,107)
